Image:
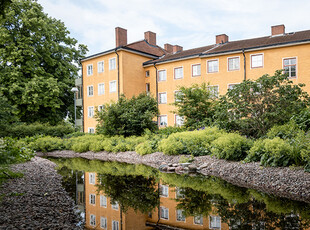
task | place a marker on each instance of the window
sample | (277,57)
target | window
(91,130)
(162,75)
(289,66)
(179,193)
(177,95)
(231,86)
(213,66)
(198,220)
(92,199)
(164,190)
(147,73)
(91,111)
(92,178)
(164,213)
(100,107)
(257,61)
(148,88)
(163,120)
(100,66)
(92,220)
(179,121)
(214,90)
(215,222)
(112,63)
(162,98)
(103,201)
(178,73)
(90,70)
(90,90)
(114,205)
(103,222)
(101,89)
(196,70)
(115,225)
(180,215)
(233,63)
(112,86)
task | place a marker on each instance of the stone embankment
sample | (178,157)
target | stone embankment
(292,183)
(37,200)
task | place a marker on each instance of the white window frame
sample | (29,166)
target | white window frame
(88,91)
(92,199)
(229,58)
(164,213)
(147,73)
(115,225)
(176,116)
(112,67)
(183,218)
(90,71)
(110,86)
(231,84)
(197,75)
(165,71)
(164,190)
(160,120)
(91,130)
(211,223)
(290,65)
(101,93)
(218,65)
(103,201)
(159,98)
(92,178)
(258,54)
(103,222)
(100,107)
(218,90)
(115,205)
(90,111)
(100,70)
(175,93)
(200,220)
(178,194)
(92,220)
(174,74)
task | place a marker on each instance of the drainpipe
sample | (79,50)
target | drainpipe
(244,65)
(83,114)
(156,91)
(118,84)
(158,207)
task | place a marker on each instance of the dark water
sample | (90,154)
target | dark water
(117,196)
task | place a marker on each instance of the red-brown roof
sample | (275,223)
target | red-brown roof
(145,47)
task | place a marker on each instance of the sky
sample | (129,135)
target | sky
(188,23)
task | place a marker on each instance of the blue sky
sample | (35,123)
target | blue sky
(189,23)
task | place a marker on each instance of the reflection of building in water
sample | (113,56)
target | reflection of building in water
(101,213)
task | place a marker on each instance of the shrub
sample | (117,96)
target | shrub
(47,144)
(170,129)
(287,131)
(11,152)
(144,148)
(231,146)
(82,143)
(302,119)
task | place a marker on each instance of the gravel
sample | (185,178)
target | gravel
(292,183)
(37,200)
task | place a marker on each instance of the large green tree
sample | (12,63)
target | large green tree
(38,62)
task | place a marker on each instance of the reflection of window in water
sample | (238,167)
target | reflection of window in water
(103,201)
(103,222)
(198,220)
(164,190)
(179,193)
(92,178)
(92,220)
(215,222)
(81,197)
(164,213)
(115,225)
(92,199)
(180,215)
(114,205)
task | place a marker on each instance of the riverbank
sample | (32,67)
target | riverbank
(292,183)
(37,200)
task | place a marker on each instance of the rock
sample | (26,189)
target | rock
(205,165)
(163,163)
(161,167)
(179,169)
(170,164)
(175,165)
(171,169)
(192,168)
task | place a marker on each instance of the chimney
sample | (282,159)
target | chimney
(150,37)
(176,48)
(221,38)
(120,36)
(277,30)
(168,47)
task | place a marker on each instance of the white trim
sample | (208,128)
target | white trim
(115,221)
(163,115)
(89,178)
(218,86)
(90,219)
(92,71)
(90,199)
(256,54)
(232,84)
(178,67)
(91,128)
(163,207)
(228,63)
(88,90)
(174,92)
(192,70)
(201,216)
(98,66)
(99,89)
(110,59)
(110,86)
(175,120)
(158,75)
(210,216)
(218,65)
(159,102)
(296,66)
(176,216)
(106,222)
(113,205)
(89,107)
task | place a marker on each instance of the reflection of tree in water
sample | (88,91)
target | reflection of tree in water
(135,192)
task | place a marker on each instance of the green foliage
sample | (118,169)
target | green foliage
(190,142)
(289,130)
(170,129)
(231,146)
(7,115)
(196,105)
(302,119)
(37,63)
(27,130)
(6,173)
(83,143)
(253,107)
(47,144)
(128,117)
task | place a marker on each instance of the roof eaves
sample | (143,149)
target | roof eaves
(170,60)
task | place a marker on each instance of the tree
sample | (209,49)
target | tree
(7,115)
(38,62)
(3,5)
(253,107)
(195,104)
(128,117)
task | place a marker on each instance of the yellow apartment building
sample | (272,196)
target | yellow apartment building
(141,66)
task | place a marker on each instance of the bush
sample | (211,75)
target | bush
(302,119)
(271,152)
(144,148)
(11,152)
(231,146)
(287,131)
(47,144)
(170,130)
(83,143)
